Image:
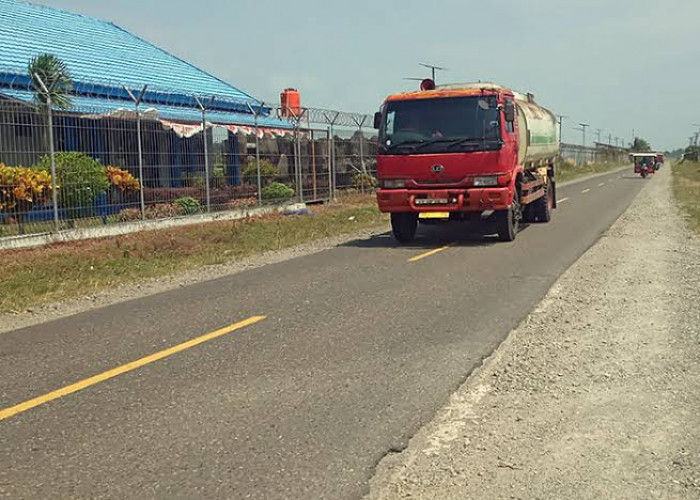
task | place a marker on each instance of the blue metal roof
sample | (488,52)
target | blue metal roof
(103,59)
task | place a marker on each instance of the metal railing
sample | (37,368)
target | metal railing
(109,159)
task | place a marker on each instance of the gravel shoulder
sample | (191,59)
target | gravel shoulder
(595,395)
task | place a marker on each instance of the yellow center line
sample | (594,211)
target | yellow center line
(428,254)
(562,200)
(585,191)
(114,372)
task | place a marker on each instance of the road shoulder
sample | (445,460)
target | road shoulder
(594,395)
(44,313)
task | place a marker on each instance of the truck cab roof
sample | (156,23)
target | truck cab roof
(453,90)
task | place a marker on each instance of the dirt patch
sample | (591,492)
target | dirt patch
(595,395)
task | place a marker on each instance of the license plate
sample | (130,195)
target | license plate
(435,215)
(431,201)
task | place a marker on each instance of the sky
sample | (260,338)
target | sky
(617,65)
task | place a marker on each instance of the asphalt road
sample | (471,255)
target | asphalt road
(360,345)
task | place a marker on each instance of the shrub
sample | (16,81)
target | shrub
(188,205)
(121,179)
(163,211)
(21,188)
(194,180)
(129,215)
(79,178)
(269,173)
(243,203)
(364,180)
(277,192)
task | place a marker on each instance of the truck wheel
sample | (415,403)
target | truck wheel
(542,207)
(404,226)
(508,221)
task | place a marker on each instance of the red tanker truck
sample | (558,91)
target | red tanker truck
(454,152)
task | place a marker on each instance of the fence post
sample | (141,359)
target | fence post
(334,163)
(363,168)
(52,153)
(206,149)
(206,159)
(256,114)
(137,101)
(330,163)
(257,160)
(331,155)
(300,168)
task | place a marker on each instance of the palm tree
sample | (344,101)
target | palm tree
(54,74)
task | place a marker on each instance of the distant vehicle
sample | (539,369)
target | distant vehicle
(457,151)
(645,164)
(659,161)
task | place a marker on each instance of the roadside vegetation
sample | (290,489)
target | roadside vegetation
(71,270)
(686,188)
(567,170)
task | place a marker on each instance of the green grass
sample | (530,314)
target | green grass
(567,171)
(686,189)
(70,270)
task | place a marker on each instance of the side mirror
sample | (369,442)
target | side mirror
(377,120)
(509,111)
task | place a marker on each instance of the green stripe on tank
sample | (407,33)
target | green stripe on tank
(542,139)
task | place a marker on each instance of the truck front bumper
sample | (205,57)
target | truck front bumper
(444,200)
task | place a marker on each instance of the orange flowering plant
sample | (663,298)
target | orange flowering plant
(122,179)
(22,187)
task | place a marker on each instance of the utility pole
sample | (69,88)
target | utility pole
(610,140)
(598,131)
(433,68)
(561,119)
(583,131)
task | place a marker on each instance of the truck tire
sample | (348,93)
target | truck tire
(404,226)
(542,207)
(508,221)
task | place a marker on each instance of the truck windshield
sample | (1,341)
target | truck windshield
(440,125)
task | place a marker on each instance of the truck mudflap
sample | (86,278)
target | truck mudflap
(447,200)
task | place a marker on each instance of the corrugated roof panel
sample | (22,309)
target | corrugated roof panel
(98,51)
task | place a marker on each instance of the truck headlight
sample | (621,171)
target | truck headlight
(393,183)
(491,180)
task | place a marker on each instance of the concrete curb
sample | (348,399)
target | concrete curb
(42,239)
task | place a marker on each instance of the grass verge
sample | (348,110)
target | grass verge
(686,189)
(567,172)
(70,270)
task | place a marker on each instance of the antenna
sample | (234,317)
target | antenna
(433,68)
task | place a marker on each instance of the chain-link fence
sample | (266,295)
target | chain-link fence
(580,155)
(112,159)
